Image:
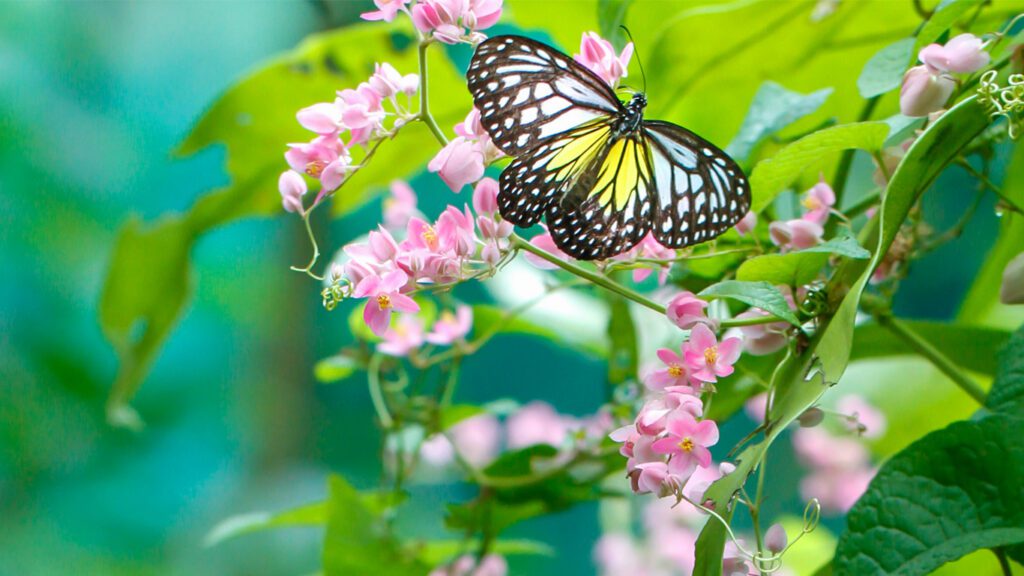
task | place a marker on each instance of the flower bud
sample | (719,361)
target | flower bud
(963,54)
(292,187)
(775,538)
(924,92)
(747,223)
(811,418)
(1012,290)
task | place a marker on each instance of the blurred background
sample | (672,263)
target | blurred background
(93,98)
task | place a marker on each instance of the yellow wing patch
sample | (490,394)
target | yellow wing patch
(624,170)
(577,153)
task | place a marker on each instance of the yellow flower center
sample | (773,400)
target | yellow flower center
(430,238)
(384,301)
(711,355)
(447,317)
(675,371)
(315,168)
(686,445)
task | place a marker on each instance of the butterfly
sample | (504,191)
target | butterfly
(601,175)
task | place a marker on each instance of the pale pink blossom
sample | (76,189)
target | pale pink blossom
(840,468)
(482,14)
(836,490)
(292,187)
(775,539)
(702,479)
(675,374)
(405,336)
(312,157)
(654,413)
(440,19)
(656,477)
(962,54)
(456,232)
(863,418)
(747,223)
(335,173)
(451,328)
(383,296)
(708,359)
(650,248)
(819,201)
(617,555)
(485,196)
(388,82)
(762,339)
(795,234)
(924,91)
(687,443)
(458,163)
(545,242)
(361,112)
(599,56)
(386,10)
(491,565)
(323,118)
(477,439)
(400,206)
(686,310)
(536,423)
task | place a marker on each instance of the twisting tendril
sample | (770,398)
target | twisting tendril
(1006,101)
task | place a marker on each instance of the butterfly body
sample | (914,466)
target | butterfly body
(601,175)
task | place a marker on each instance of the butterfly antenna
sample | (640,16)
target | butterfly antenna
(639,62)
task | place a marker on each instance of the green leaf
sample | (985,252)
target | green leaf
(775,174)
(437,552)
(774,108)
(335,368)
(309,515)
(452,415)
(884,71)
(952,492)
(623,357)
(758,294)
(800,267)
(611,14)
(357,541)
(144,294)
(945,15)
(972,346)
(1007,393)
(492,320)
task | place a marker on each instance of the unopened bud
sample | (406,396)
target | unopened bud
(1012,290)
(811,417)
(775,538)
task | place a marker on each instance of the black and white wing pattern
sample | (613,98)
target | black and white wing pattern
(529,93)
(700,192)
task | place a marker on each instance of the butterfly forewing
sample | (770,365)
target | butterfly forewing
(700,191)
(528,93)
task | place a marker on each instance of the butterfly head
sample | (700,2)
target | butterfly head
(631,116)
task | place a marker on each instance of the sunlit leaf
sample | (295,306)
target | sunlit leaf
(974,347)
(774,107)
(884,71)
(800,267)
(437,552)
(309,515)
(452,415)
(335,368)
(761,295)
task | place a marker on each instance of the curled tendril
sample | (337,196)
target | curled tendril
(1006,101)
(769,563)
(339,289)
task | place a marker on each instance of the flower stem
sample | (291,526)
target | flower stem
(424,114)
(933,355)
(312,240)
(376,393)
(1004,564)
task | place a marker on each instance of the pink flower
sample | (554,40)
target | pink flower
(707,359)
(451,327)
(795,234)
(656,477)
(864,419)
(491,565)
(292,187)
(924,91)
(687,443)
(819,201)
(335,173)
(775,538)
(387,82)
(762,339)
(383,297)
(323,118)
(400,206)
(482,14)
(386,10)
(652,417)
(617,555)
(536,423)
(404,337)
(456,232)
(686,310)
(676,373)
(485,196)
(476,438)
(599,56)
(361,111)
(439,18)
(471,129)
(746,224)
(547,244)
(650,248)
(459,163)
(836,490)
(313,157)
(963,54)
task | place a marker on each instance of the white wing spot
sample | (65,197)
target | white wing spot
(543,91)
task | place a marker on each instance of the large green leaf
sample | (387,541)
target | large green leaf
(1007,393)
(884,71)
(309,515)
(800,267)
(761,295)
(774,107)
(775,174)
(952,492)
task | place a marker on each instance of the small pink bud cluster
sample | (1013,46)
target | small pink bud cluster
(762,339)
(806,231)
(669,439)
(358,114)
(385,271)
(454,21)
(408,334)
(650,249)
(598,55)
(463,159)
(926,88)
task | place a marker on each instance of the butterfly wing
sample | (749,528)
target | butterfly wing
(529,94)
(699,191)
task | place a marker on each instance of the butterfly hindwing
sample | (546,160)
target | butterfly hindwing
(700,191)
(528,93)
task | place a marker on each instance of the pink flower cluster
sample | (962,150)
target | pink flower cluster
(598,55)
(926,88)
(385,271)
(449,21)
(490,565)
(358,114)
(807,230)
(699,363)
(462,161)
(408,334)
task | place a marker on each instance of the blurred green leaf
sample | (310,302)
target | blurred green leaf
(335,368)
(452,415)
(437,552)
(774,108)
(611,14)
(946,14)
(623,355)
(492,320)
(774,174)
(800,267)
(574,18)
(884,71)
(758,294)
(309,515)
(143,296)
(1007,393)
(952,492)
(973,347)
(357,541)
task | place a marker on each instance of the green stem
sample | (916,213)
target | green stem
(312,240)
(987,183)
(424,114)
(376,393)
(1004,563)
(846,160)
(933,355)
